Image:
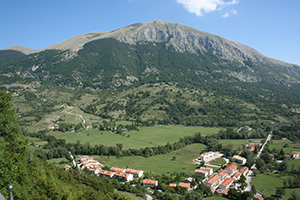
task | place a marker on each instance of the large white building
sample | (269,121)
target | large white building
(209,156)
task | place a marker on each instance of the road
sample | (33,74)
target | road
(267,140)
(250,173)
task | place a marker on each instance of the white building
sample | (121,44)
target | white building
(209,156)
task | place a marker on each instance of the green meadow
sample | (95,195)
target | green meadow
(287,146)
(267,184)
(145,137)
(176,161)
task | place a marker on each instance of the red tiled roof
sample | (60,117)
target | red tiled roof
(121,174)
(227,182)
(294,152)
(223,173)
(237,174)
(67,166)
(243,170)
(149,182)
(172,185)
(104,172)
(132,171)
(205,169)
(213,179)
(185,185)
(117,169)
(259,197)
(231,167)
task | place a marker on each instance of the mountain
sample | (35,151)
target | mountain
(151,53)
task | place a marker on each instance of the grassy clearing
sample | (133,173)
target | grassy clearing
(289,191)
(267,184)
(180,160)
(59,162)
(218,161)
(235,144)
(293,164)
(290,146)
(145,137)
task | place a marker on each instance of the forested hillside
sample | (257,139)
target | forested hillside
(33,178)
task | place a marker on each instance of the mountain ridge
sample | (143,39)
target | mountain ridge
(178,37)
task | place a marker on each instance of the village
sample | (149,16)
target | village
(218,178)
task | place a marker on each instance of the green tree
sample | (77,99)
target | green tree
(280,192)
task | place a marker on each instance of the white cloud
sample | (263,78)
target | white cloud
(229,13)
(199,7)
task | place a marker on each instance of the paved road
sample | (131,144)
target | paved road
(267,140)
(248,180)
(250,173)
(148,197)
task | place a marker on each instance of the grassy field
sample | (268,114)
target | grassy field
(267,184)
(57,161)
(180,160)
(235,144)
(295,164)
(145,137)
(218,161)
(279,144)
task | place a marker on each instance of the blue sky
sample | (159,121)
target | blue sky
(269,26)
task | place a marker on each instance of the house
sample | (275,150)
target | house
(172,185)
(148,182)
(188,180)
(250,147)
(136,173)
(246,129)
(208,169)
(67,167)
(122,176)
(244,170)
(226,184)
(199,172)
(295,154)
(256,143)
(185,185)
(258,197)
(105,173)
(236,176)
(239,160)
(89,163)
(222,192)
(223,174)
(213,181)
(209,156)
(231,168)
(117,169)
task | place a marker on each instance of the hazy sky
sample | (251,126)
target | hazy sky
(269,26)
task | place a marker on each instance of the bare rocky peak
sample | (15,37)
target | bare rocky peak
(177,37)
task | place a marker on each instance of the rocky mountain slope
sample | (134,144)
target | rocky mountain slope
(150,53)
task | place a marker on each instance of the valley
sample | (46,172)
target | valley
(151,96)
